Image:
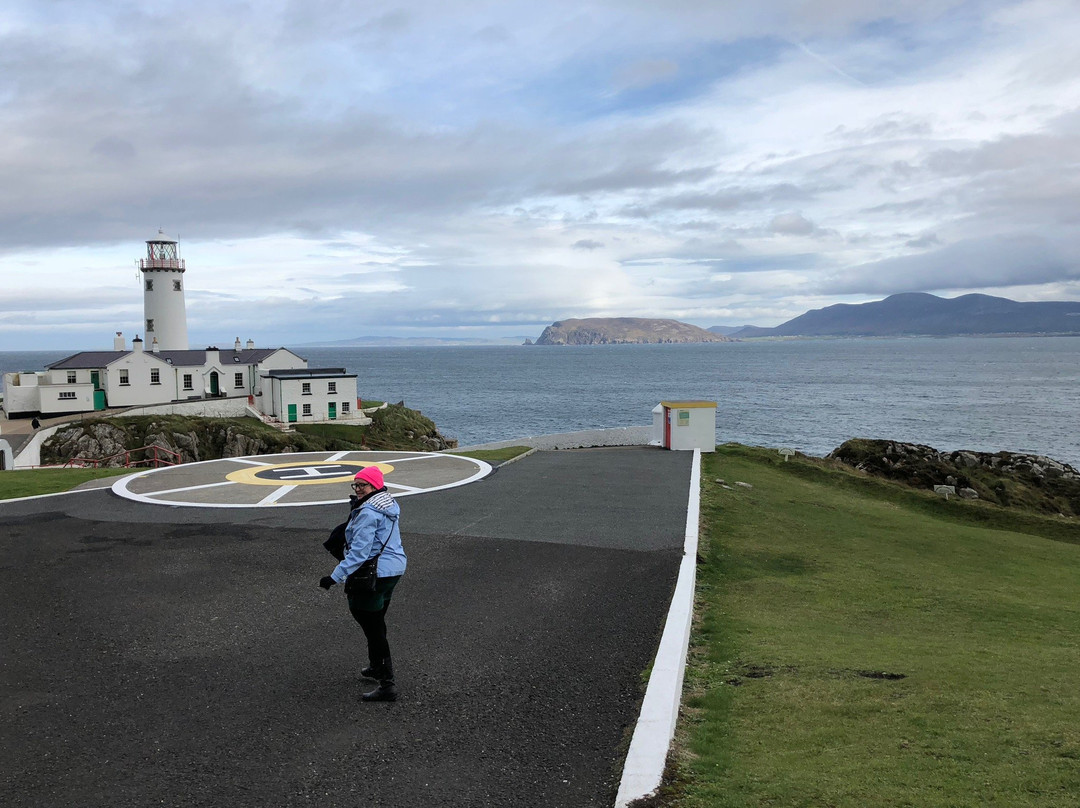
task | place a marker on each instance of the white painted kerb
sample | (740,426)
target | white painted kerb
(655,728)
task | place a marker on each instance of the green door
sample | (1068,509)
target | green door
(99,399)
(332,411)
(213,383)
(95,379)
(292,413)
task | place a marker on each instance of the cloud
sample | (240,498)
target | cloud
(995,262)
(539,162)
(791,224)
(646,73)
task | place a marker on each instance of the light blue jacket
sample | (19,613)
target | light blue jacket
(374,522)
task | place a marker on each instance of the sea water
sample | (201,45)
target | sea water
(981,393)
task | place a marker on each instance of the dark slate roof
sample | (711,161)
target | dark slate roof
(87,359)
(311,373)
(100,359)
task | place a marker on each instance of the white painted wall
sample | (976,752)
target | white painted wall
(165,306)
(139,389)
(30,455)
(21,392)
(281,359)
(209,408)
(50,402)
(698,430)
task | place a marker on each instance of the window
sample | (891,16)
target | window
(71,377)
(149,286)
(176,286)
(307,409)
(124,377)
(67,394)
(344,407)
(150,324)
(155,376)
(238,380)
(305,389)
(331,387)
(187,382)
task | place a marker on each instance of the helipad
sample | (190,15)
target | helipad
(310,478)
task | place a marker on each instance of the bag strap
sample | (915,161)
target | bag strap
(393,519)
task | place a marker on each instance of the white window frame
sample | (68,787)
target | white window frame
(71,378)
(238,380)
(344,407)
(155,376)
(331,387)
(305,388)
(306,411)
(125,380)
(189,382)
(67,395)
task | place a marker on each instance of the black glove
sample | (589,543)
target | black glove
(326,582)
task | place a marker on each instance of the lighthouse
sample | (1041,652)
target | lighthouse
(163,295)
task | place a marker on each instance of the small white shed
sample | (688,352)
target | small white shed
(685,425)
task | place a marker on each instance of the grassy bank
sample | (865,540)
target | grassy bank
(494,456)
(33,482)
(858,644)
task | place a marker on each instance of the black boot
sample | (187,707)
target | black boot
(386,691)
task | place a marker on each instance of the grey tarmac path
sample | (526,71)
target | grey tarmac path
(155,655)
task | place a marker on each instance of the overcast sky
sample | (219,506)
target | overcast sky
(479,169)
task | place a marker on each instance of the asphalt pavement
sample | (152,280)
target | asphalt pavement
(155,655)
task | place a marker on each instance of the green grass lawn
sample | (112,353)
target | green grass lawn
(493,456)
(31,482)
(860,644)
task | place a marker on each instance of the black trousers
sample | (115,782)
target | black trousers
(370,612)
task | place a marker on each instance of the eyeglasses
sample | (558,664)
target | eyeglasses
(357,485)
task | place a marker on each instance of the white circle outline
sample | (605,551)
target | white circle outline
(120,487)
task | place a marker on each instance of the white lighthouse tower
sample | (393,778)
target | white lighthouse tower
(163,295)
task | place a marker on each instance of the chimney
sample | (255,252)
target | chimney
(136,345)
(236,345)
(251,345)
(212,356)
(118,342)
(154,345)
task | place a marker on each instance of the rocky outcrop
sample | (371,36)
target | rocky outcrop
(108,442)
(398,427)
(1007,478)
(394,427)
(623,331)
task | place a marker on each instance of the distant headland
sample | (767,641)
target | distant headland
(623,331)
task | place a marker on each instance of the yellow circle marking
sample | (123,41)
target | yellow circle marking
(304,474)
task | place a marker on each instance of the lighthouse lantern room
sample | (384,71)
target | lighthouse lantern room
(163,294)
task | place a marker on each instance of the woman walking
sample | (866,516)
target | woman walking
(372,532)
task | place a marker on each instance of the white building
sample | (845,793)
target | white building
(316,394)
(169,372)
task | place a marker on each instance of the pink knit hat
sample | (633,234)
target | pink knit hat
(370,475)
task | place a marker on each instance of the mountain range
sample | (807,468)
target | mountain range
(922,314)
